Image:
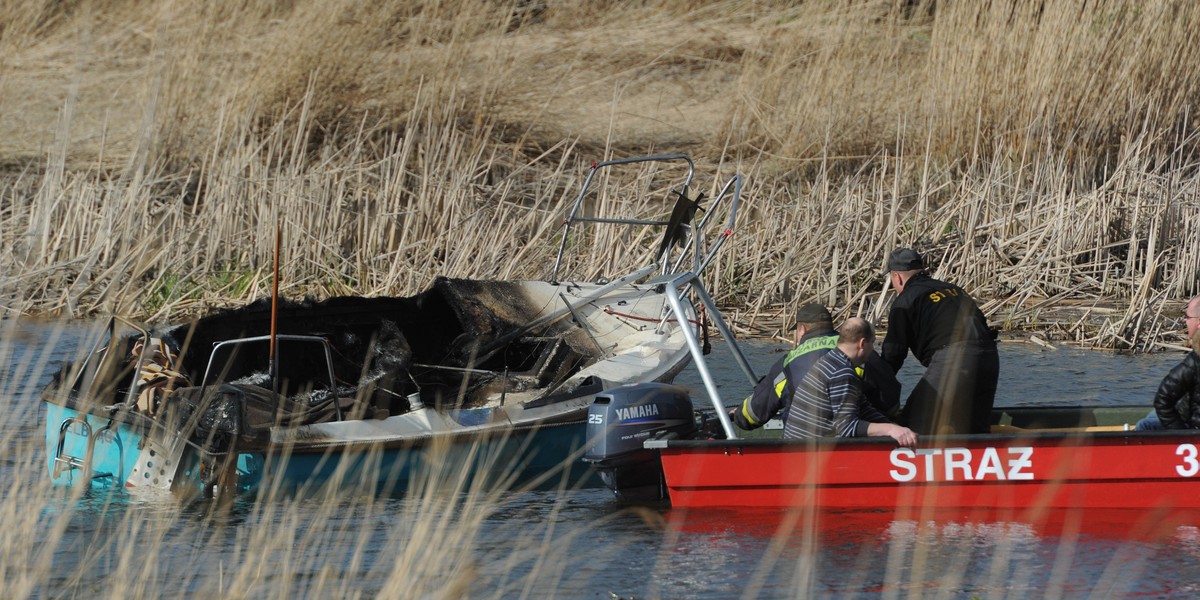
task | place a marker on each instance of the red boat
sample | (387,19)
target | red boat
(1083,466)
(648,446)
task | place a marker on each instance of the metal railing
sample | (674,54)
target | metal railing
(701,255)
(691,282)
(324,343)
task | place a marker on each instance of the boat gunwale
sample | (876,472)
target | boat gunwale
(926,442)
(483,435)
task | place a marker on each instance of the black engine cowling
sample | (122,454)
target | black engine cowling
(620,420)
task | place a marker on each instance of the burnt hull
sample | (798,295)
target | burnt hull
(518,379)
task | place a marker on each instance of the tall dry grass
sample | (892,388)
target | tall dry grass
(1041,153)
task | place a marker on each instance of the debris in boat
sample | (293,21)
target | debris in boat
(459,344)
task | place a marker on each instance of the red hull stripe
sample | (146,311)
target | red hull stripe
(1101,470)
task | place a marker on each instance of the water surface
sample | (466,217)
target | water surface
(579,542)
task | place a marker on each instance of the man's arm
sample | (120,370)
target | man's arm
(765,402)
(881,390)
(845,397)
(870,414)
(895,344)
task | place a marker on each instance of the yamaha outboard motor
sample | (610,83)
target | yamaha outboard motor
(620,420)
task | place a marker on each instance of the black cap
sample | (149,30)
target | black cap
(905,259)
(813,313)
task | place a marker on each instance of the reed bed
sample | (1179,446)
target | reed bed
(1120,253)
(1043,156)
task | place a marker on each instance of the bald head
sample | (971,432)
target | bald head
(854,330)
(856,339)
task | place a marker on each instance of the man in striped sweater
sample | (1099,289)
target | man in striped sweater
(814,337)
(829,400)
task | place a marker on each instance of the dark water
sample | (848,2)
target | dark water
(578,543)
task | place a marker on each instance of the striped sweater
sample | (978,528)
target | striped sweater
(829,401)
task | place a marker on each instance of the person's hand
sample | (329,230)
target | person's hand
(903,436)
(735,417)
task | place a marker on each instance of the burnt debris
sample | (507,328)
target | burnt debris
(450,346)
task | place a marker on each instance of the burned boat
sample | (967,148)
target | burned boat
(359,389)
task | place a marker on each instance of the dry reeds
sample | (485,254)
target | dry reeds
(1042,155)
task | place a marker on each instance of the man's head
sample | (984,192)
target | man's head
(1191,316)
(857,339)
(812,317)
(902,264)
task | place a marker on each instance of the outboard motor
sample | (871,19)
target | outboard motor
(620,420)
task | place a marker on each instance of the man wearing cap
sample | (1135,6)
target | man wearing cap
(814,338)
(949,335)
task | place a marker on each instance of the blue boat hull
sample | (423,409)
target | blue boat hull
(113,451)
(94,450)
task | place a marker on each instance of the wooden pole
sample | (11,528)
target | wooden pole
(272,357)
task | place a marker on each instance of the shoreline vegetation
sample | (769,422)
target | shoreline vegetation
(1041,155)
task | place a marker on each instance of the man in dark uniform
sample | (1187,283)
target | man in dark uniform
(948,333)
(814,338)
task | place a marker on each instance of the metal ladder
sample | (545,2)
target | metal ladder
(66,462)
